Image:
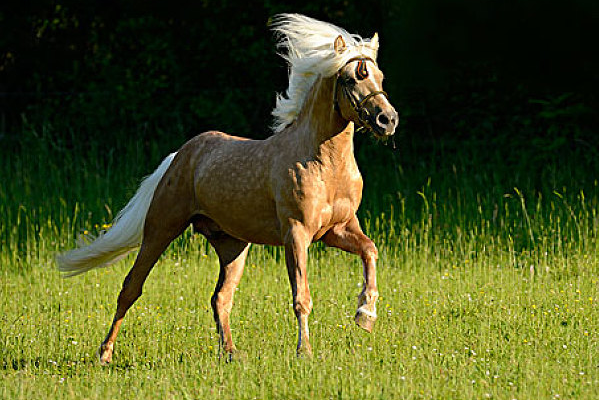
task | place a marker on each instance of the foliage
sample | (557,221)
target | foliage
(132,68)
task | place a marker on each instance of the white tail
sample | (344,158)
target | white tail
(125,234)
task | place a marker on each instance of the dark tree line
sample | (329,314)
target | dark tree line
(496,72)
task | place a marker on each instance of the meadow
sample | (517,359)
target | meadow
(488,275)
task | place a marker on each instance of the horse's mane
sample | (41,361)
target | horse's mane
(309,50)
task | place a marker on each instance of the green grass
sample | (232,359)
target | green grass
(488,276)
(448,328)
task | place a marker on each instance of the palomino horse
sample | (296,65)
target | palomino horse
(298,186)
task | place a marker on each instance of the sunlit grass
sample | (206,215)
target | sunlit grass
(480,327)
(488,281)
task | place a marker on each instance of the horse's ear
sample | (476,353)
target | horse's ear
(339,45)
(374,42)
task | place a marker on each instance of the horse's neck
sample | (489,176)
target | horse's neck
(324,133)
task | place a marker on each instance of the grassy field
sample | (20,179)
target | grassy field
(488,276)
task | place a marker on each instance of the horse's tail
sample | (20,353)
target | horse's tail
(124,236)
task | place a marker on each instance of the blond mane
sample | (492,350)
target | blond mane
(309,51)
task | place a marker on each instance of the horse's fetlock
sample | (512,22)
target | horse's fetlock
(303,307)
(368,296)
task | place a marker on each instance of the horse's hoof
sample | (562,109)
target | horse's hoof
(235,355)
(105,354)
(304,352)
(364,321)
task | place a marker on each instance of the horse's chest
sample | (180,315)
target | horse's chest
(346,188)
(345,200)
(328,197)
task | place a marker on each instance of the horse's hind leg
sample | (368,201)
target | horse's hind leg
(163,224)
(231,254)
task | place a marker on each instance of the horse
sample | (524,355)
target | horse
(298,186)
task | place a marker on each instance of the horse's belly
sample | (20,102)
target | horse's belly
(254,226)
(248,214)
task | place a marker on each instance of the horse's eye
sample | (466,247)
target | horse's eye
(350,81)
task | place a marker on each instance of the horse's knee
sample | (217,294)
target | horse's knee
(369,250)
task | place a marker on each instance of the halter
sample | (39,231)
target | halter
(357,105)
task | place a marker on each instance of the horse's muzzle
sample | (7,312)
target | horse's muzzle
(386,122)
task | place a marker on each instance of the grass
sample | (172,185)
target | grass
(488,278)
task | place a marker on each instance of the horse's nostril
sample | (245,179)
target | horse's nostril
(382,119)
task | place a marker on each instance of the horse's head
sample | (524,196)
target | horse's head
(359,95)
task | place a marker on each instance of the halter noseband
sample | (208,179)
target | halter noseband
(357,105)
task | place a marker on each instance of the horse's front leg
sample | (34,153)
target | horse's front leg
(297,241)
(349,237)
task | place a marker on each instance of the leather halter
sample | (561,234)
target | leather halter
(357,105)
